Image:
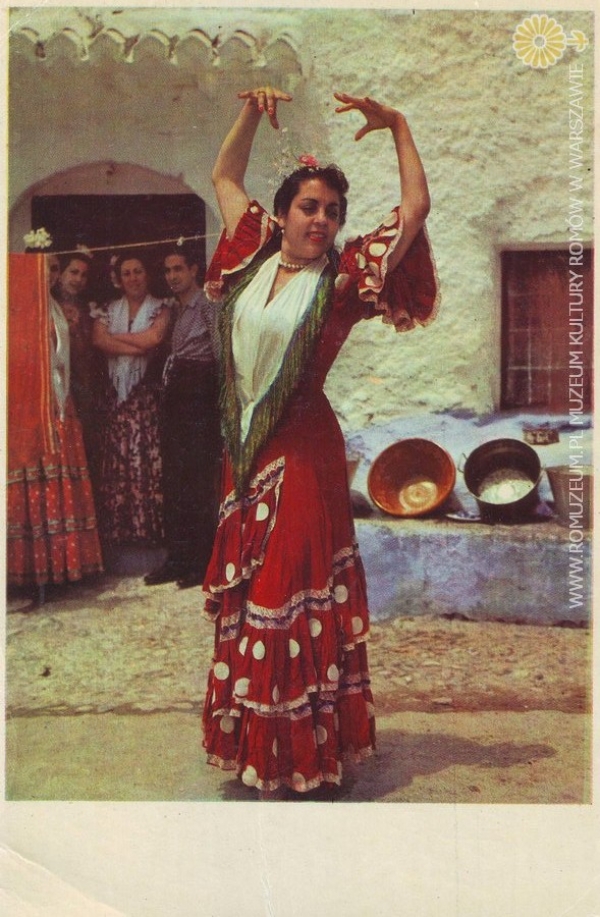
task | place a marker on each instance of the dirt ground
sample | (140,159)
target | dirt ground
(430,664)
(105,684)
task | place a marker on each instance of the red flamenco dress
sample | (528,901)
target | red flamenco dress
(289,691)
(52,534)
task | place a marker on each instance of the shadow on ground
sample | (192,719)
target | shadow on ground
(401,758)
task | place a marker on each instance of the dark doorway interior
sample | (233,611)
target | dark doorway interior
(109,222)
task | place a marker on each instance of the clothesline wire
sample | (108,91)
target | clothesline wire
(109,248)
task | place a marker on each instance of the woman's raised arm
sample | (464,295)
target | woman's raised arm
(230,167)
(414,193)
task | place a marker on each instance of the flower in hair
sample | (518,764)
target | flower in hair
(311,162)
(287,160)
(37,238)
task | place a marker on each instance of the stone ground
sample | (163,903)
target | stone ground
(105,684)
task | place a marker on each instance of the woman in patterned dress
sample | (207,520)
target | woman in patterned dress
(128,333)
(87,364)
(288,690)
(52,535)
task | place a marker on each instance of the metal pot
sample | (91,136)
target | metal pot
(412,477)
(504,475)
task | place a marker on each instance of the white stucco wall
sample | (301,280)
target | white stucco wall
(493,134)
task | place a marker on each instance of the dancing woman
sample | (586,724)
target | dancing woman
(288,691)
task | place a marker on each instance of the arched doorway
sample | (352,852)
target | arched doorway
(109,223)
(107,206)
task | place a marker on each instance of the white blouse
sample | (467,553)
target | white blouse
(60,356)
(125,372)
(262,330)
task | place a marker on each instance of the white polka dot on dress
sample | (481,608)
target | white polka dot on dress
(227,724)
(333,673)
(321,735)
(242,686)
(243,645)
(258,650)
(340,594)
(262,512)
(229,572)
(357,625)
(315,627)
(298,781)
(250,776)
(275,695)
(221,671)
(294,648)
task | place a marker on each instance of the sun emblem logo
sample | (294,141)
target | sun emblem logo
(539,41)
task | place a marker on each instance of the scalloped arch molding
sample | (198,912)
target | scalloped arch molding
(259,48)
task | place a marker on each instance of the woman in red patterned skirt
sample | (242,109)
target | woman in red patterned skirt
(52,536)
(288,691)
(129,332)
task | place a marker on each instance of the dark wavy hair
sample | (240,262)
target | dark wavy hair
(333,177)
(190,254)
(65,259)
(131,255)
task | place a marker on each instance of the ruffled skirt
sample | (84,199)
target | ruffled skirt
(52,535)
(288,691)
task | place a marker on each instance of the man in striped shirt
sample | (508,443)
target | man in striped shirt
(189,428)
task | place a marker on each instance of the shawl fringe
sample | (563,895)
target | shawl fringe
(271,406)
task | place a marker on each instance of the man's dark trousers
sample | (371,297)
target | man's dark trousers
(191,451)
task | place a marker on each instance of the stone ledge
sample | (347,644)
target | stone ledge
(517,573)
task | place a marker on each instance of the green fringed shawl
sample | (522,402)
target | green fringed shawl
(269,409)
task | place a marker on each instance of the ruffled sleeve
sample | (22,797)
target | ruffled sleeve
(406,296)
(157,307)
(253,231)
(100,312)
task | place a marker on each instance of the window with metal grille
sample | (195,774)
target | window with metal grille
(547,327)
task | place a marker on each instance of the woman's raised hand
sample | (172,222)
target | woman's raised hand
(266,98)
(377,116)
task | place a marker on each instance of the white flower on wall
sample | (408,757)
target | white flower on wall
(38,238)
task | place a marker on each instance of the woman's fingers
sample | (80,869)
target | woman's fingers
(377,116)
(364,130)
(344,97)
(266,98)
(352,101)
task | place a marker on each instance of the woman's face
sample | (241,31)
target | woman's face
(74,278)
(134,279)
(53,266)
(312,222)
